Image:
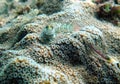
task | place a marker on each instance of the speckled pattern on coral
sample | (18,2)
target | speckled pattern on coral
(89,53)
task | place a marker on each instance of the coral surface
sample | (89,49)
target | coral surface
(57,42)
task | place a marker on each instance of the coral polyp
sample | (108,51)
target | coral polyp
(59,42)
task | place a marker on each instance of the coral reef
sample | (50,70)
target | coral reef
(57,42)
(23,70)
(23,6)
(110,11)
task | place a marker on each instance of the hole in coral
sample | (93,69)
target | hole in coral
(23,0)
(22,35)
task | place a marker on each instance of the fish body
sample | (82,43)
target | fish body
(47,34)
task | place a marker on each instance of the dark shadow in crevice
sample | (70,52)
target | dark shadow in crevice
(21,35)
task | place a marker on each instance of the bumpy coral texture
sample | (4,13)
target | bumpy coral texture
(87,54)
(22,70)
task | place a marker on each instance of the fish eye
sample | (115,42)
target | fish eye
(51,27)
(108,58)
(47,26)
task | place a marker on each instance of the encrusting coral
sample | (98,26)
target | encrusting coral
(67,45)
(22,70)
